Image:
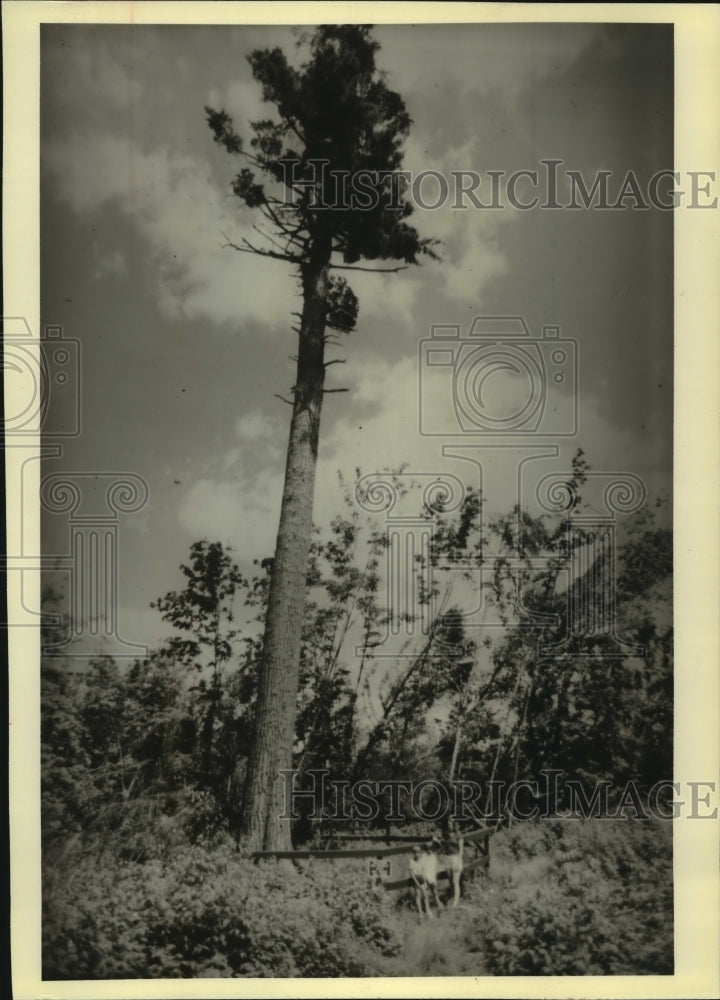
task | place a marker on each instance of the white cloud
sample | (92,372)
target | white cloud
(114,263)
(470,250)
(256,427)
(230,458)
(389,438)
(178,209)
(503,57)
(243,513)
(243,101)
(105,66)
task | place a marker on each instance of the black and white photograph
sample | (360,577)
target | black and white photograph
(356,591)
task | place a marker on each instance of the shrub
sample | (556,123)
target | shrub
(212,914)
(562,898)
(598,902)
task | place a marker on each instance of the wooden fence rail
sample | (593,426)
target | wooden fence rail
(480,837)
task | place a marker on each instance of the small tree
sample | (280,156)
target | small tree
(337,119)
(203,614)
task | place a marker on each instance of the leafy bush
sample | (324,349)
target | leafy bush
(570,898)
(562,898)
(212,914)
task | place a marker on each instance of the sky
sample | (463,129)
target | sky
(186,344)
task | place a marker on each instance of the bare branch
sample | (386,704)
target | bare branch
(294,237)
(372,270)
(288,401)
(286,229)
(249,248)
(270,237)
(270,199)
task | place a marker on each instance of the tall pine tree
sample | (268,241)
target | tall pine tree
(323,177)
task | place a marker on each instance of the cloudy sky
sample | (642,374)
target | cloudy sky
(186,342)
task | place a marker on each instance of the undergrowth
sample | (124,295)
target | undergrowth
(561,898)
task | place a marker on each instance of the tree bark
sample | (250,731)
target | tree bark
(262,828)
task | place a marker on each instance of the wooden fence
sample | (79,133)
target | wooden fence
(399,844)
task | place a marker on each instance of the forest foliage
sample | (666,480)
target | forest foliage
(143,765)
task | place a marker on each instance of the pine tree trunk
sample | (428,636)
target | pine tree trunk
(262,828)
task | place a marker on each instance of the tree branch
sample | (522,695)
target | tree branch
(289,232)
(270,237)
(249,248)
(372,270)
